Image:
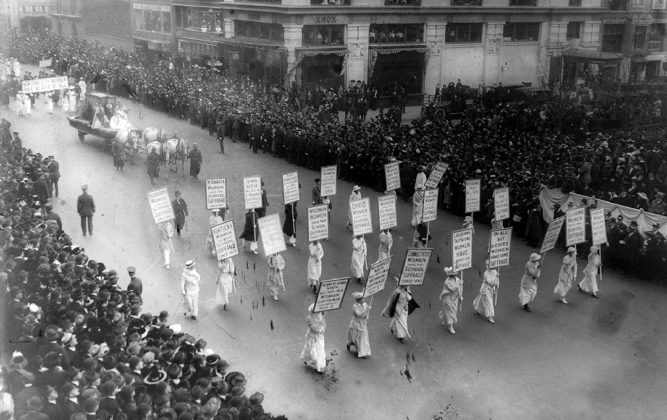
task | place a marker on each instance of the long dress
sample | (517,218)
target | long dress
(72,101)
(397,309)
(274,277)
(225,281)
(529,282)
(353,197)
(315,263)
(250,232)
(417,208)
(289,226)
(358,257)
(166,244)
(212,221)
(451,297)
(195,162)
(483,303)
(313,347)
(386,242)
(590,281)
(357,333)
(567,274)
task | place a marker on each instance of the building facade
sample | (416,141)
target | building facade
(66,17)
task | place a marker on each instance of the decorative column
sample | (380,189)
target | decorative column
(434,37)
(357,46)
(493,52)
(293,35)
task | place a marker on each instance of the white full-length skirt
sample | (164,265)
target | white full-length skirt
(224,287)
(313,350)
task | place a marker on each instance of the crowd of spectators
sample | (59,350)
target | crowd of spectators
(83,347)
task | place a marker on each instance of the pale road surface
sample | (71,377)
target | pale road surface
(592,359)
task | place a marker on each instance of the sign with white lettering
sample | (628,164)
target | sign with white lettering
(44,85)
(377,276)
(252,192)
(160,205)
(575,226)
(473,191)
(553,231)
(318,223)
(361,216)
(325,20)
(216,194)
(330,294)
(462,249)
(499,248)
(501,203)
(46,63)
(328,180)
(414,266)
(430,209)
(392,176)
(224,240)
(436,175)
(271,233)
(291,187)
(598,228)
(387,211)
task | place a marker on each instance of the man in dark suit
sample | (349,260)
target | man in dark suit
(85,206)
(136,285)
(180,211)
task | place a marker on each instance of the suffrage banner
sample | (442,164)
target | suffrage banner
(271,233)
(598,228)
(575,226)
(387,211)
(216,193)
(252,192)
(46,63)
(377,276)
(318,223)
(44,85)
(501,203)
(553,231)
(291,187)
(414,266)
(499,247)
(430,208)
(224,240)
(473,191)
(392,176)
(328,180)
(160,205)
(436,175)
(361,216)
(330,294)
(462,249)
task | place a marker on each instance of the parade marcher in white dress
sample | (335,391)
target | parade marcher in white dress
(357,333)
(190,289)
(398,309)
(417,206)
(386,242)
(589,284)
(213,220)
(82,86)
(274,276)
(529,281)
(485,301)
(313,352)
(71,98)
(567,274)
(19,103)
(451,297)
(224,284)
(166,245)
(315,264)
(354,196)
(27,105)
(420,179)
(359,252)
(49,102)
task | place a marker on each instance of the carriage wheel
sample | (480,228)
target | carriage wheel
(81,134)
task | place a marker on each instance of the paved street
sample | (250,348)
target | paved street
(590,359)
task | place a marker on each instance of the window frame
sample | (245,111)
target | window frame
(515,25)
(464,37)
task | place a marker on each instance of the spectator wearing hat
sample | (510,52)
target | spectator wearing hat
(70,394)
(631,248)
(354,196)
(567,274)
(589,283)
(108,401)
(531,273)
(398,308)
(485,301)
(53,216)
(225,283)
(135,285)
(180,212)
(85,206)
(190,289)
(314,268)
(274,276)
(195,161)
(313,353)
(41,189)
(52,406)
(357,332)
(54,171)
(451,297)
(35,407)
(51,338)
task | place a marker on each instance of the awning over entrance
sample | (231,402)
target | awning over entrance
(593,55)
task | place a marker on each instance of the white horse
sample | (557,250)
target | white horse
(152,134)
(176,152)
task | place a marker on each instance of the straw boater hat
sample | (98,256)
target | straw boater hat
(571,250)
(535,256)
(190,264)
(356,188)
(467,219)
(450,271)
(357,295)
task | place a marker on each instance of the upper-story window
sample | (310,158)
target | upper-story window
(573,30)
(637,3)
(639,37)
(466,2)
(612,37)
(617,4)
(330,2)
(151,17)
(383,33)
(656,34)
(464,32)
(323,35)
(402,2)
(574,3)
(521,31)
(199,18)
(523,2)
(260,1)
(269,32)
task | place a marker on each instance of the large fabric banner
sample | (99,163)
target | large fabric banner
(44,85)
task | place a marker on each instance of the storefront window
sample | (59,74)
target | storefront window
(612,37)
(199,18)
(330,2)
(464,32)
(521,31)
(466,2)
(523,2)
(151,17)
(655,36)
(269,32)
(324,35)
(402,2)
(379,34)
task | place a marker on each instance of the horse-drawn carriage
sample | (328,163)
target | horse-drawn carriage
(84,121)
